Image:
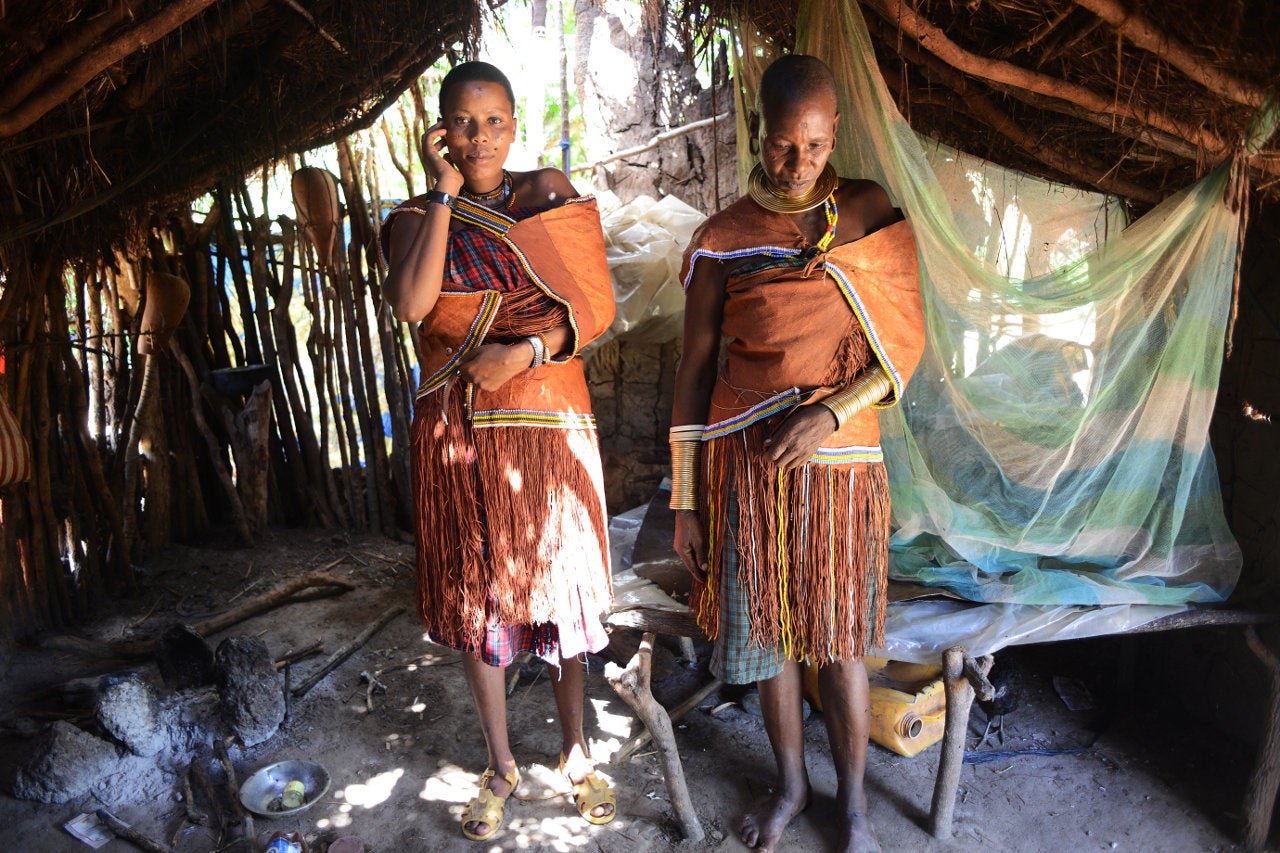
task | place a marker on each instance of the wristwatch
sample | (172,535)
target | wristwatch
(441,198)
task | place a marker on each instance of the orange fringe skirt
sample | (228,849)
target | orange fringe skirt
(812,547)
(511,527)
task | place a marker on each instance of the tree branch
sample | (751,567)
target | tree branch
(50,63)
(1089,173)
(92,64)
(657,140)
(143,86)
(1125,126)
(935,41)
(1142,33)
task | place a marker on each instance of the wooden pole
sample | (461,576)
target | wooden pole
(318,353)
(238,519)
(233,794)
(639,739)
(335,660)
(343,411)
(134,430)
(232,251)
(295,386)
(279,595)
(79,530)
(350,292)
(959,695)
(286,461)
(1260,796)
(250,432)
(291,420)
(122,830)
(396,378)
(632,684)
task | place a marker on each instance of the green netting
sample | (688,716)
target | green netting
(1052,448)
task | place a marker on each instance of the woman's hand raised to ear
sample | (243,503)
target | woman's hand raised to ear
(444,176)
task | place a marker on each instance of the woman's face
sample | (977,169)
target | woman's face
(796,138)
(479,129)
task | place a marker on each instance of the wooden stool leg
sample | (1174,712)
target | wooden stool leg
(1260,796)
(632,684)
(961,675)
(959,699)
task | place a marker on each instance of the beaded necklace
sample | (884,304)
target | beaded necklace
(833,216)
(501,191)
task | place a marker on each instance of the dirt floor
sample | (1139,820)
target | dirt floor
(404,762)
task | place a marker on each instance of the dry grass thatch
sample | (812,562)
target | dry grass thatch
(110,111)
(111,107)
(1136,97)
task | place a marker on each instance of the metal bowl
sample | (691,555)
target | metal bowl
(262,790)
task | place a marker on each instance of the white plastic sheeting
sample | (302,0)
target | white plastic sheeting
(644,242)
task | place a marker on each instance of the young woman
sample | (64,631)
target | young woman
(506,273)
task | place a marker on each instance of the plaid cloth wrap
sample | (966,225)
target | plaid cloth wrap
(476,260)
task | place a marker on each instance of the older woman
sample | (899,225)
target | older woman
(812,278)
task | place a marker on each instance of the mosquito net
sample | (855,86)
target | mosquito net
(1052,448)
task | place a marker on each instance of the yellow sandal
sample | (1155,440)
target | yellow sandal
(591,793)
(487,807)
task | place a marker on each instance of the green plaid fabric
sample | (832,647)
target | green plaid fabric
(735,659)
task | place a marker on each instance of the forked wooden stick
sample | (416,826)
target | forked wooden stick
(632,684)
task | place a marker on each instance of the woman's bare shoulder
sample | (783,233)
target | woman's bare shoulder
(868,203)
(544,188)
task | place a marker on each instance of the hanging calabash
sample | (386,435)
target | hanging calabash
(315,198)
(167,298)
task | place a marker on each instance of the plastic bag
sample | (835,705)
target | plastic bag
(644,243)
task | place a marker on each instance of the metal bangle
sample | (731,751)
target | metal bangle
(685,456)
(539,351)
(865,391)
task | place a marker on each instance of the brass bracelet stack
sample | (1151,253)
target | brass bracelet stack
(686,452)
(868,388)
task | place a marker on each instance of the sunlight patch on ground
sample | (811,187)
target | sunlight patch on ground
(451,784)
(562,834)
(618,725)
(373,792)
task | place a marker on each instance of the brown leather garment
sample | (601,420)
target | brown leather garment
(786,329)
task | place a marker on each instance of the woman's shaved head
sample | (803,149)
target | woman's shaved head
(792,79)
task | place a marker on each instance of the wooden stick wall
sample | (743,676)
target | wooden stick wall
(134,451)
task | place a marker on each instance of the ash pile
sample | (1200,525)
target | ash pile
(127,737)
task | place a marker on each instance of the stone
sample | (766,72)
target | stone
(251,697)
(129,711)
(184,658)
(64,765)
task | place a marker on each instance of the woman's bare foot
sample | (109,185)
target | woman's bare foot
(763,825)
(857,835)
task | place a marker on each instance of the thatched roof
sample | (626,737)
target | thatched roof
(110,106)
(1137,97)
